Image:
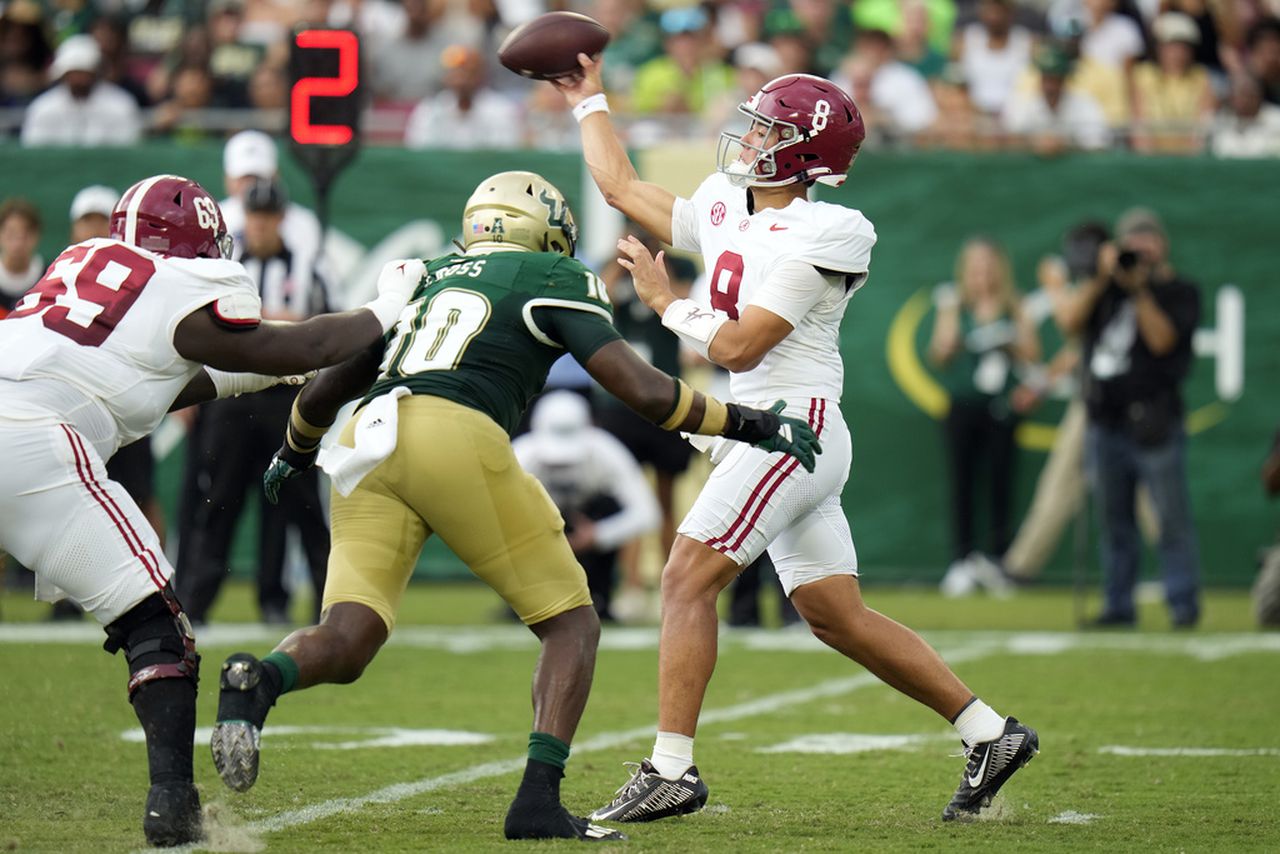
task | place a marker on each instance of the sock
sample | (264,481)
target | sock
(166,708)
(978,722)
(546,748)
(282,671)
(672,754)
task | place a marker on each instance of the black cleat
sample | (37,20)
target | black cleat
(990,764)
(244,699)
(172,816)
(647,796)
(555,822)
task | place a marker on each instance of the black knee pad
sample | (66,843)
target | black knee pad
(157,641)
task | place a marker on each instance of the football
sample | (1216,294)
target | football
(548,46)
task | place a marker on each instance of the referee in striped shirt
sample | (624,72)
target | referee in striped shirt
(235,438)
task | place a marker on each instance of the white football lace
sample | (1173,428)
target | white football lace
(633,784)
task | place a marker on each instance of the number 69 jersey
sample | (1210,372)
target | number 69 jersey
(484,328)
(91,344)
(769,259)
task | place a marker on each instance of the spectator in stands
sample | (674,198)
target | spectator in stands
(1263,57)
(594,482)
(231,60)
(1137,317)
(20,264)
(981,335)
(912,43)
(81,109)
(1172,97)
(1052,117)
(828,29)
(192,89)
(890,16)
(1247,126)
(24,53)
(689,75)
(636,39)
(1110,39)
(897,94)
(1218,49)
(112,35)
(754,64)
(993,53)
(268,88)
(959,126)
(786,34)
(406,66)
(90,211)
(467,113)
(240,435)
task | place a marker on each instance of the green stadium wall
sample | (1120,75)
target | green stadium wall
(1222,217)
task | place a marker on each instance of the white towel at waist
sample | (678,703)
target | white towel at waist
(375,438)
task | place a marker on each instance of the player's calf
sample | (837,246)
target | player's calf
(163,671)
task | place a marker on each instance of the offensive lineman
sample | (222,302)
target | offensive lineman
(782,272)
(432,454)
(116,333)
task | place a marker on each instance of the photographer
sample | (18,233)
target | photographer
(1136,318)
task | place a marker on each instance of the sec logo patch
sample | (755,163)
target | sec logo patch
(717,213)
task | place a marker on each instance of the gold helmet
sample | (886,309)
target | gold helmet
(520,208)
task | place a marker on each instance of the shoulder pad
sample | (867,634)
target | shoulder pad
(570,279)
(240,310)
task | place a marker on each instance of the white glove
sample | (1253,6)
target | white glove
(396,284)
(228,384)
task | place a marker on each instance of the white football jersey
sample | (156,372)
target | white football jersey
(91,344)
(743,254)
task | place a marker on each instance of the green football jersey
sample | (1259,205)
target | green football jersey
(483,330)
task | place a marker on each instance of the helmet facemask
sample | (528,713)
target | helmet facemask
(762,169)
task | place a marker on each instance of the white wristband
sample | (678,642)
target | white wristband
(596,103)
(234,384)
(387,309)
(695,325)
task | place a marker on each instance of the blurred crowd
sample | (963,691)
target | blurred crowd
(1168,76)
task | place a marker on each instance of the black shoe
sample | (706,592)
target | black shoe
(245,696)
(172,816)
(990,765)
(1111,621)
(554,822)
(648,796)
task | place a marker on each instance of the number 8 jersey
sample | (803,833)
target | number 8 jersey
(91,344)
(802,263)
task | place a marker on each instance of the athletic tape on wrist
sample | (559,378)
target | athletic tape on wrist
(695,325)
(714,417)
(679,407)
(596,103)
(304,428)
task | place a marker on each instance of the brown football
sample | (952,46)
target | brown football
(548,46)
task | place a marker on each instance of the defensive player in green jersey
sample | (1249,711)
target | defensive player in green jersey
(429,452)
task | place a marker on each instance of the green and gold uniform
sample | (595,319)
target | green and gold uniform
(473,346)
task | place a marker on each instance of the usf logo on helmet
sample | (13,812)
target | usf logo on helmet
(520,208)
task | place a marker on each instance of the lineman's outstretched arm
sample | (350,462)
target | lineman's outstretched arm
(673,405)
(647,204)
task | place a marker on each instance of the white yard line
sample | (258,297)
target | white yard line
(1129,750)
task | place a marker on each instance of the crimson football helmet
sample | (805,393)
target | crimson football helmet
(171,216)
(810,131)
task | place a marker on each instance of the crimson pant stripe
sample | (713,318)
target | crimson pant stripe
(755,493)
(107,504)
(764,501)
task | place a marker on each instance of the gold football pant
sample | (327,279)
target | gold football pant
(453,474)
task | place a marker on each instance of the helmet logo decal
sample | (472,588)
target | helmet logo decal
(499,231)
(821,111)
(556,209)
(717,213)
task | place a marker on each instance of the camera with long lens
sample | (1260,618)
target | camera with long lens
(1127,259)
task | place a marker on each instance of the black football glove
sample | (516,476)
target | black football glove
(772,431)
(285,465)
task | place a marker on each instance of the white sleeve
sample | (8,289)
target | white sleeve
(684,225)
(640,512)
(791,289)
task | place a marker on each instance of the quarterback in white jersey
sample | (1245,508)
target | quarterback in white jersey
(782,269)
(118,332)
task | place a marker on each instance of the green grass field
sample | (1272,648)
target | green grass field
(802,750)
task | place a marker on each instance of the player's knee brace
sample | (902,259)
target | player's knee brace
(157,641)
